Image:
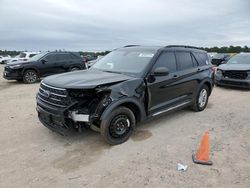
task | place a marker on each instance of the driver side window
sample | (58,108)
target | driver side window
(166,59)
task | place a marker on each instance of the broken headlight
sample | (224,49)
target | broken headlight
(219,72)
(78,93)
(106,101)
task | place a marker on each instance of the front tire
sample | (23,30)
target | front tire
(201,99)
(30,77)
(118,127)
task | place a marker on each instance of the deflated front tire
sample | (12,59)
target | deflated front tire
(119,126)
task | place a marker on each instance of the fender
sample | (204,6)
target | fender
(31,68)
(119,102)
(203,82)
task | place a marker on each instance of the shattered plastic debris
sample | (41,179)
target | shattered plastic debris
(181,167)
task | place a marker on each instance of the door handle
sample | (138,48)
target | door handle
(199,70)
(175,76)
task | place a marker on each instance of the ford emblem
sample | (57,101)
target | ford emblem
(46,94)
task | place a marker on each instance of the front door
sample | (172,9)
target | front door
(163,91)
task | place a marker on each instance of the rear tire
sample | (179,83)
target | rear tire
(74,69)
(118,127)
(201,99)
(30,77)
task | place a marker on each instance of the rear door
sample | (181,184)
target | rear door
(187,77)
(62,62)
(65,61)
(49,66)
(204,66)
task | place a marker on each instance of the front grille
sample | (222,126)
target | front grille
(241,75)
(53,96)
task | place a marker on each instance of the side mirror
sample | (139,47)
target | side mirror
(161,71)
(44,61)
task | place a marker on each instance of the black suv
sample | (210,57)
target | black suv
(127,86)
(43,64)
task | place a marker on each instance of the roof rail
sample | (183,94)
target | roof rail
(183,46)
(132,45)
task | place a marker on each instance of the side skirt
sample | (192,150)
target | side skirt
(185,103)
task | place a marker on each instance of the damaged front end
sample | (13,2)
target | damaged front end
(62,110)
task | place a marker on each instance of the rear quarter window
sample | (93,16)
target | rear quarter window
(202,58)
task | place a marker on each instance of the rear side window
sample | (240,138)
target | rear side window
(166,59)
(31,55)
(184,60)
(202,58)
(62,57)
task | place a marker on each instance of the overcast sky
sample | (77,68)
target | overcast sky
(95,25)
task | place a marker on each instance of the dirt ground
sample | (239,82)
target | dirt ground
(33,156)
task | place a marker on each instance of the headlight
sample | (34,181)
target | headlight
(219,72)
(14,66)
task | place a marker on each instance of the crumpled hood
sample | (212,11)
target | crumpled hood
(239,67)
(84,79)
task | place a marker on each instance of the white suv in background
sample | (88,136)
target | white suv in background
(23,56)
(4,59)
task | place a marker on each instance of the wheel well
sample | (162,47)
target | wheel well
(32,70)
(134,108)
(209,86)
(75,66)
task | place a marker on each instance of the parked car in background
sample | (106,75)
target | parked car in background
(23,56)
(219,59)
(43,64)
(212,54)
(4,59)
(91,63)
(127,86)
(235,73)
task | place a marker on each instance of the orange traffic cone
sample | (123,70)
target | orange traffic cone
(202,156)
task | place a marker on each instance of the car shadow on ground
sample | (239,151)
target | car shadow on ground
(10,83)
(141,131)
(81,149)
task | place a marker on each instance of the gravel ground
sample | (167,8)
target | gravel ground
(33,156)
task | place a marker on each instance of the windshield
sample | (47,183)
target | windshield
(126,61)
(240,59)
(22,55)
(37,57)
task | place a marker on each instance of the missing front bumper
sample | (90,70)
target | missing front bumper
(76,117)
